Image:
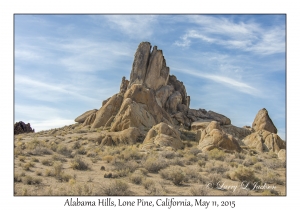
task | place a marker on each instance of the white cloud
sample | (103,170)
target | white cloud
(248,37)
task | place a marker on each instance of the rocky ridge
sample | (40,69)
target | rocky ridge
(152,105)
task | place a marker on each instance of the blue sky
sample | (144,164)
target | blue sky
(68,64)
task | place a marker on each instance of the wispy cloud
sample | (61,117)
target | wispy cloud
(133,25)
(37,89)
(250,37)
(236,85)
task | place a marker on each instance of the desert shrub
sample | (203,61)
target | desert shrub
(102,168)
(216,154)
(273,163)
(131,153)
(168,154)
(216,167)
(144,171)
(271,177)
(130,166)
(38,173)
(176,161)
(35,160)
(108,158)
(199,190)
(173,173)
(60,158)
(147,183)
(233,164)
(29,180)
(63,150)
(245,174)
(47,162)
(240,155)
(213,180)
(78,164)
(194,151)
(91,154)
(116,188)
(191,174)
(250,160)
(48,172)
(201,163)
(191,158)
(270,192)
(76,145)
(28,165)
(81,151)
(136,178)
(57,168)
(121,173)
(22,158)
(153,164)
(258,166)
(17,178)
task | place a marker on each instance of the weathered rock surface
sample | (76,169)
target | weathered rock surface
(264,141)
(140,64)
(110,108)
(90,119)
(21,127)
(200,125)
(213,137)
(129,136)
(262,121)
(157,71)
(84,116)
(162,135)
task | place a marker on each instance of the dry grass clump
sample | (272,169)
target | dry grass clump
(47,162)
(194,151)
(199,190)
(131,153)
(136,178)
(271,177)
(57,157)
(216,167)
(191,174)
(29,180)
(78,164)
(213,180)
(274,163)
(216,154)
(250,160)
(258,166)
(173,173)
(28,165)
(108,158)
(115,188)
(63,150)
(154,164)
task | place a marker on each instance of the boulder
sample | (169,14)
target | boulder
(21,127)
(140,64)
(84,116)
(282,154)
(162,135)
(264,141)
(219,118)
(262,121)
(213,137)
(110,108)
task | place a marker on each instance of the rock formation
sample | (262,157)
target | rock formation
(264,141)
(21,127)
(213,137)
(262,121)
(157,102)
